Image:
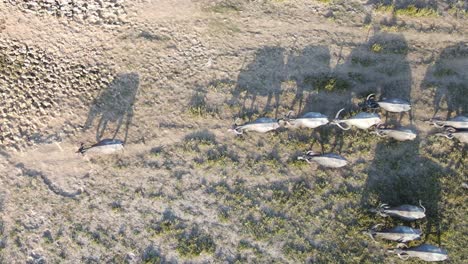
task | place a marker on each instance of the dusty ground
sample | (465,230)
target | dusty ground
(170,77)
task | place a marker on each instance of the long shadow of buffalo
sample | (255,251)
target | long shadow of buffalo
(399,173)
(114,105)
(261,78)
(448,78)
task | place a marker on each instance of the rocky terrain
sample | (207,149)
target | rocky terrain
(95,12)
(170,77)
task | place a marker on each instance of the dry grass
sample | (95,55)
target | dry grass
(186,190)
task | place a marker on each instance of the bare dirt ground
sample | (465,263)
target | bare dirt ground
(170,77)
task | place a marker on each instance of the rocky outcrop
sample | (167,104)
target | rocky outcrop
(89,11)
(36,86)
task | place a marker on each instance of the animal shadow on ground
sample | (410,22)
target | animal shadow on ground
(114,105)
(261,78)
(448,77)
(307,68)
(319,89)
(199,103)
(380,66)
(398,173)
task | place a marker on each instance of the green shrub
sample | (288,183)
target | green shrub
(413,11)
(327,83)
(194,243)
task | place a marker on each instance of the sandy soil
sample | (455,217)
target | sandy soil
(170,78)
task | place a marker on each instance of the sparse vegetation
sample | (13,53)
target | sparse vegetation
(410,11)
(327,83)
(385,8)
(203,137)
(377,48)
(198,106)
(458,12)
(413,11)
(441,72)
(187,190)
(226,6)
(169,224)
(151,255)
(365,61)
(194,243)
(390,46)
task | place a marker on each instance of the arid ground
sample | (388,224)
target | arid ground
(170,77)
